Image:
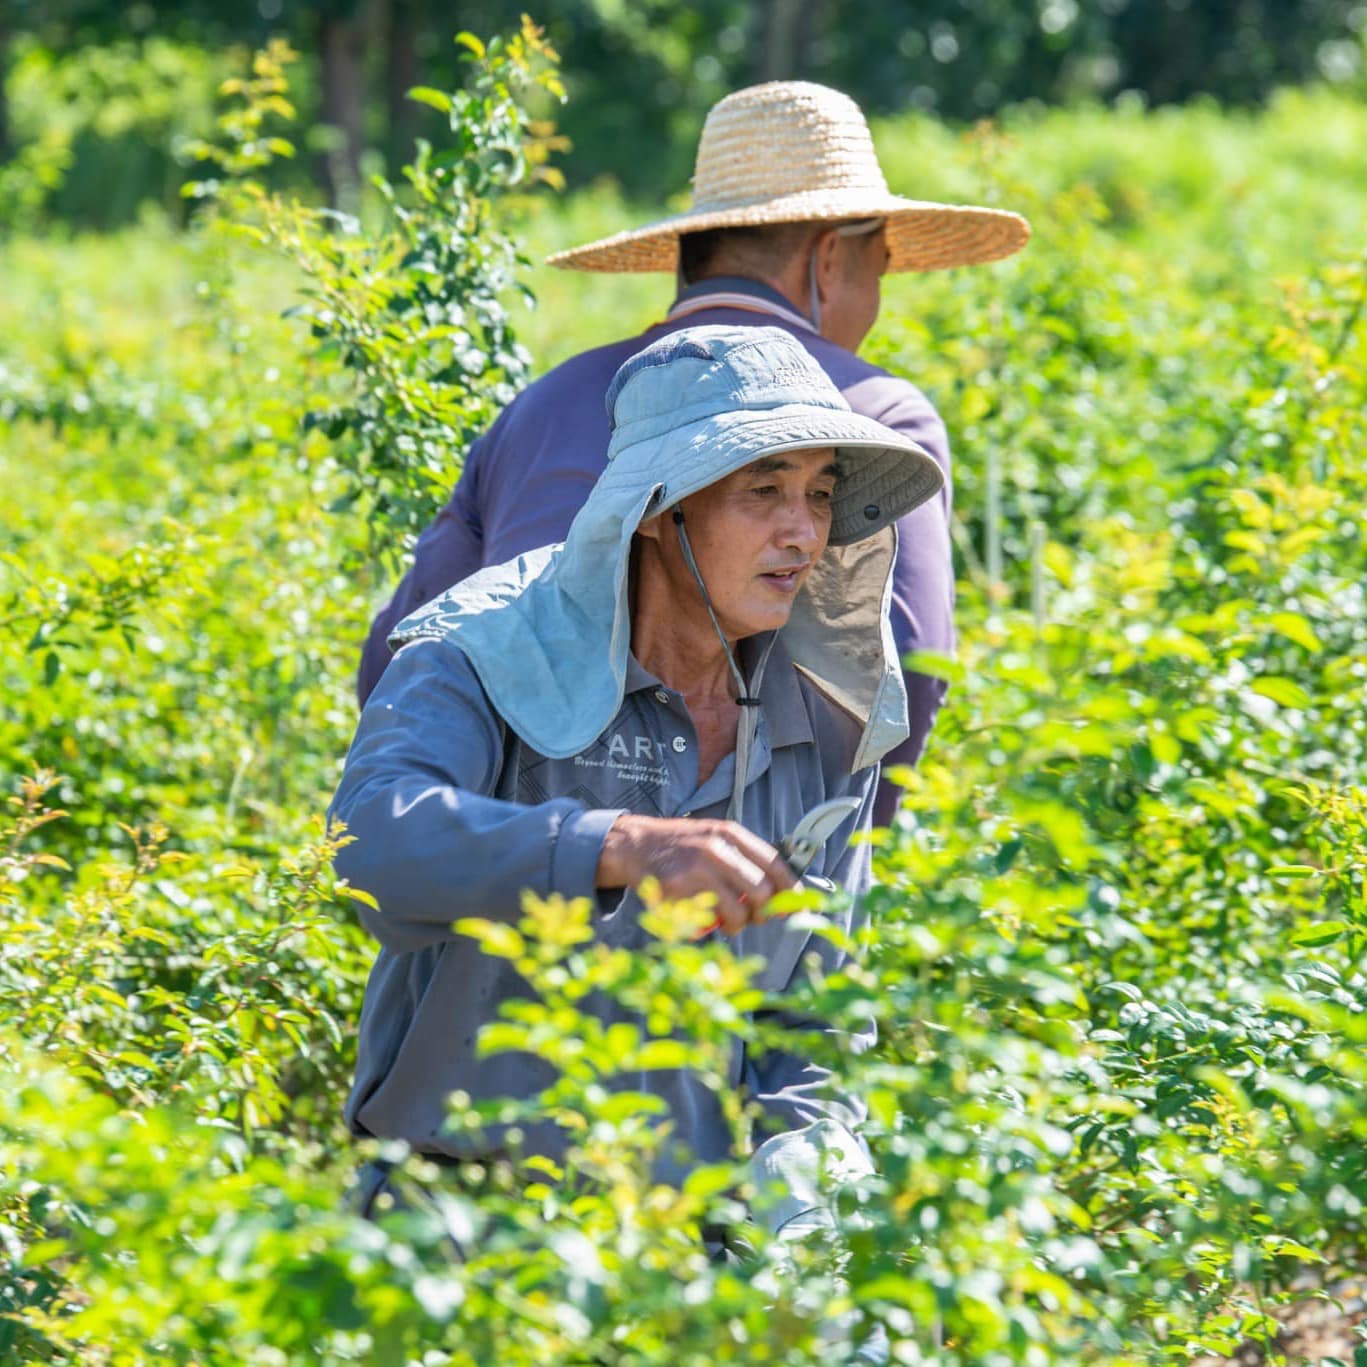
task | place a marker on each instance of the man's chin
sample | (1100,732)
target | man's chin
(771,619)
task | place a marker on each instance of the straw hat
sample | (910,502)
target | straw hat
(795,152)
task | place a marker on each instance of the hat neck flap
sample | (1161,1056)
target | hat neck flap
(840,636)
(549,633)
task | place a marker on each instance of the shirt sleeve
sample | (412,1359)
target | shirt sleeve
(451,549)
(800,1112)
(429,843)
(923,578)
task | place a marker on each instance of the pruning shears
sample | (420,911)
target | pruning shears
(803,843)
(813,831)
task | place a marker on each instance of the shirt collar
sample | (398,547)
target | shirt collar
(737,291)
(780,692)
(638,676)
(733,284)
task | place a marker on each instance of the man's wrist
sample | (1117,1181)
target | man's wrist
(578,851)
(617,856)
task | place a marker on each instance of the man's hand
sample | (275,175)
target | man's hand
(689,856)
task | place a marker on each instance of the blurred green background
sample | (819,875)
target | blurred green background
(1121,954)
(114,90)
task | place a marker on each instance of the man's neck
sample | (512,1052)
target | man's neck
(685,656)
(737,284)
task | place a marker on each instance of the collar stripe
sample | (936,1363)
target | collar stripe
(730,299)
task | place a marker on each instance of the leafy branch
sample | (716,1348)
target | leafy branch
(413,311)
(108,595)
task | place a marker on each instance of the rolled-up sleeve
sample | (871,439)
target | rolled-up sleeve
(428,841)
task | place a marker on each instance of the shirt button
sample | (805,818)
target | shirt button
(662,696)
(680,745)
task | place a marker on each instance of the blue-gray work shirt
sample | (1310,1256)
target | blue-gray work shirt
(454,816)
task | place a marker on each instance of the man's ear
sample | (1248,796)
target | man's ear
(650,529)
(827,259)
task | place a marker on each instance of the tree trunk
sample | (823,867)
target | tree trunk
(811,22)
(401,75)
(786,24)
(342,48)
(5,149)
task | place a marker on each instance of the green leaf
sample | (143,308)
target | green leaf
(621,1040)
(936,664)
(1126,990)
(45,1251)
(1321,933)
(495,938)
(622,1105)
(1279,1246)
(437,99)
(1006,855)
(1295,628)
(792,900)
(501,1037)
(1293,871)
(1283,691)
(709,1180)
(898,1290)
(1167,749)
(157,937)
(1246,541)
(662,1053)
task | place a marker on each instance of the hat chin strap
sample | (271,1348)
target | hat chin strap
(746,697)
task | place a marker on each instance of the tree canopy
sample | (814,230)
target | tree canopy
(641,76)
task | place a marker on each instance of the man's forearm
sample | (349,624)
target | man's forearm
(429,841)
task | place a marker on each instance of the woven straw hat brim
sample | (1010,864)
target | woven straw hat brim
(920,235)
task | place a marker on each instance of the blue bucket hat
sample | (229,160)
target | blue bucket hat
(549,633)
(735,395)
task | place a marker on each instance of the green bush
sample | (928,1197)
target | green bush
(1118,946)
(117,118)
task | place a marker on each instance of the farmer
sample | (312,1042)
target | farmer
(704,660)
(792,226)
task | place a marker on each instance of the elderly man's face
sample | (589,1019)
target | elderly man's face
(755,536)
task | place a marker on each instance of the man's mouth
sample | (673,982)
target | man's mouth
(787,580)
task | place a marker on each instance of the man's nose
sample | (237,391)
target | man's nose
(802,527)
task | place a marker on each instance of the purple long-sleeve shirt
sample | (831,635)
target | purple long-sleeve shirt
(526,478)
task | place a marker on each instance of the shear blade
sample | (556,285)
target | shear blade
(814,830)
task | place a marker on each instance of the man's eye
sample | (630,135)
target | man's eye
(765,489)
(823,495)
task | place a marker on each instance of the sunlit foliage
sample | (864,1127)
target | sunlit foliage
(1116,953)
